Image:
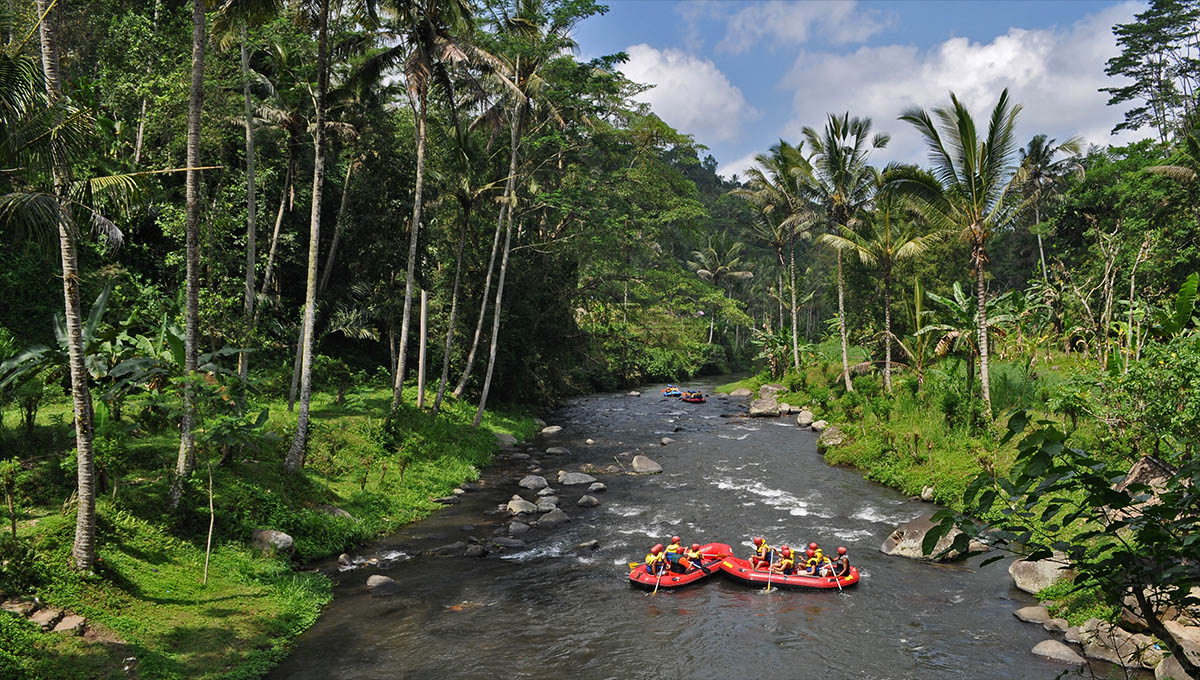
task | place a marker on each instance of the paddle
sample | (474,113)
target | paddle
(770,571)
(836,579)
(660,581)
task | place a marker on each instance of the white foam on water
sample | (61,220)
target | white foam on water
(798,512)
(544,550)
(736,439)
(878,516)
(623,510)
(852,534)
(745,427)
(779,424)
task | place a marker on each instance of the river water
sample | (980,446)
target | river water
(549,611)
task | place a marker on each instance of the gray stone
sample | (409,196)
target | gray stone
(770,390)
(645,466)
(475,550)
(21,607)
(1071,634)
(1035,614)
(520,456)
(508,542)
(344,560)
(574,478)
(927,494)
(469,486)
(46,618)
(504,439)
(271,541)
(550,430)
(665,440)
(906,541)
(449,549)
(1056,625)
(634,393)
(819,425)
(553,518)
(457,491)
(335,511)
(1170,669)
(587,502)
(1036,576)
(380,583)
(556,451)
(831,437)
(539,422)
(547,503)
(764,407)
(597,487)
(533,482)
(588,545)
(1188,637)
(548,491)
(589,441)
(516,507)
(448,500)
(784,408)
(1104,641)
(72,624)
(517,528)
(805,419)
(741,392)
(1057,651)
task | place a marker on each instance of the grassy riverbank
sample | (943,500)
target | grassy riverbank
(147,599)
(931,434)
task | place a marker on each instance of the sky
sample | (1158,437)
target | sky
(740,75)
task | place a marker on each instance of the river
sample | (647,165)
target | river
(548,611)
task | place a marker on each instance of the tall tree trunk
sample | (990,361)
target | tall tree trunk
(887,330)
(187,440)
(487,284)
(83,552)
(413,234)
(510,192)
(458,266)
(841,286)
(251,212)
(779,289)
(141,126)
(295,455)
(981,295)
(270,268)
(338,226)
(297,362)
(1037,219)
(795,321)
(421,348)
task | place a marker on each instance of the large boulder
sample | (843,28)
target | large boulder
(504,542)
(634,393)
(741,392)
(550,430)
(548,491)
(907,539)
(71,624)
(1170,669)
(645,466)
(1154,474)
(806,418)
(764,407)
(830,437)
(1104,641)
(1057,651)
(533,482)
(1188,637)
(380,584)
(597,487)
(819,425)
(574,478)
(1032,577)
(587,502)
(547,503)
(519,506)
(1032,614)
(1131,613)
(553,518)
(517,528)
(271,541)
(770,390)
(504,439)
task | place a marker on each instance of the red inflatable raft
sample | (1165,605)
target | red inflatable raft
(713,554)
(740,569)
(695,398)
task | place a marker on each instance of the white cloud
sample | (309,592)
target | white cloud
(737,167)
(689,93)
(1055,73)
(779,23)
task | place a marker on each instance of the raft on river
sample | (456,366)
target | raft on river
(693,398)
(712,553)
(740,570)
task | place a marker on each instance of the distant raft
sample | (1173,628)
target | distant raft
(693,397)
(712,553)
(671,391)
(740,570)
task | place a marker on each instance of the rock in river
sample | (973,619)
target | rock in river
(551,430)
(556,451)
(547,503)
(634,393)
(741,392)
(805,419)
(597,487)
(1034,576)
(1032,614)
(573,478)
(378,583)
(508,542)
(475,550)
(547,492)
(1057,651)
(666,440)
(645,466)
(517,528)
(819,425)
(906,541)
(533,482)
(587,502)
(765,407)
(553,518)
(520,505)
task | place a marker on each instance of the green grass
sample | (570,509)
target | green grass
(147,600)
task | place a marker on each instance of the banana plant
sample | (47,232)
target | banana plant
(1174,320)
(957,332)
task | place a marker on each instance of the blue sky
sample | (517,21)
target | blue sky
(739,75)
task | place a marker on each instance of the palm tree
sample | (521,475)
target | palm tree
(1042,176)
(839,183)
(718,263)
(957,330)
(887,239)
(775,189)
(971,192)
(295,454)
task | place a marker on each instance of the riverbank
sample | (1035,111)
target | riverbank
(148,613)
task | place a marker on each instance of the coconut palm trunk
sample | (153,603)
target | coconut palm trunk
(339,225)
(251,210)
(270,267)
(487,285)
(421,348)
(187,441)
(458,265)
(982,330)
(841,286)
(83,552)
(413,234)
(510,193)
(1037,219)
(887,330)
(295,455)
(795,322)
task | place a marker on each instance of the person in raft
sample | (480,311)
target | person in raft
(656,562)
(787,562)
(674,553)
(815,559)
(841,566)
(761,557)
(693,558)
